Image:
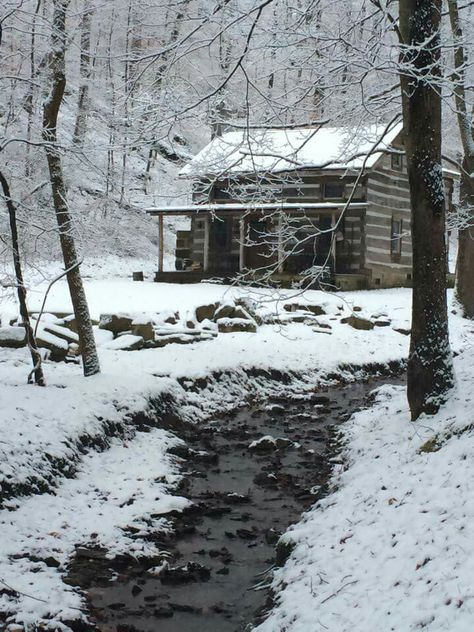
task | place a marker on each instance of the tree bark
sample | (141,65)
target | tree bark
(50,118)
(20,286)
(465,262)
(430,373)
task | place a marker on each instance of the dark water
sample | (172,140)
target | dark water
(242,501)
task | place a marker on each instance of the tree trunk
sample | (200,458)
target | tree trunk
(430,373)
(50,118)
(20,286)
(465,262)
(85,73)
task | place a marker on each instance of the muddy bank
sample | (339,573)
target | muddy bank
(250,475)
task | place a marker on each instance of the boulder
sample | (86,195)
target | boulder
(231,325)
(402,330)
(264,444)
(357,322)
(382,322)
(61,332)
(172,318)
(206,312)
(225,310)
(178,339)
(58,347)
(70,323)
(316,310)
(12,337)
(143,328)
(241,312)
(127,342)
(116,323)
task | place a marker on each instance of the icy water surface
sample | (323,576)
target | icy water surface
(243,499)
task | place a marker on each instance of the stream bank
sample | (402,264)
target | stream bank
(249,474)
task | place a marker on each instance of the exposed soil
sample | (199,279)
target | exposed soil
(218,563)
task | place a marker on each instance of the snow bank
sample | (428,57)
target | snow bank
(390,548)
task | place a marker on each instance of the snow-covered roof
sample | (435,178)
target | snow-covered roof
(273,150)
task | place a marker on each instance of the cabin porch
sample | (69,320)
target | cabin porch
(280,241)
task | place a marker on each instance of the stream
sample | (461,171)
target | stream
(223,548)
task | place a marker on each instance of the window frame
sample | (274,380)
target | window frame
(396,238)
(397,162)
(337,184)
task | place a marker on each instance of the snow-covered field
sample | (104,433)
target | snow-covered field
(41,430)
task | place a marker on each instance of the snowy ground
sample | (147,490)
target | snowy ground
(390,549)
(42,429)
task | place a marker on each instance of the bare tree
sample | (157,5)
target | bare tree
(50,121)
(20,286)
(465,262)
(85,73)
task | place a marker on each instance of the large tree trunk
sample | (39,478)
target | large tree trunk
(20,286)
(50,118)
(430,373)
(465,262)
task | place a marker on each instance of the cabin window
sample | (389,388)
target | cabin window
(396,238)
(333,190)
(397,162)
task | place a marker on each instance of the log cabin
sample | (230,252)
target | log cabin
(308,205)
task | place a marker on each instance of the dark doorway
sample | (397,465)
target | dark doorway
(221,259)
(257,248)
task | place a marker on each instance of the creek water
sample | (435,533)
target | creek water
(223,548)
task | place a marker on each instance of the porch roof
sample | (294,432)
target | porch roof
(192,209)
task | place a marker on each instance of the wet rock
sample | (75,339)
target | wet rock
(51,562)
(272,536)
(181,450)
(265,480)
(246,534)
(264,444)
(382,322)
(178,607)
(190,572)
(163,612)
(223,571)
(127,627)
(283,551)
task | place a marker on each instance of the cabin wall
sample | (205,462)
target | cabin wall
(388,198)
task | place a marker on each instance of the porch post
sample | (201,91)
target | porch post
(206,244)
(242,244)
(333,242)
(161,243)
(280,250)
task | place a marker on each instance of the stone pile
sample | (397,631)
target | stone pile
(131,333)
